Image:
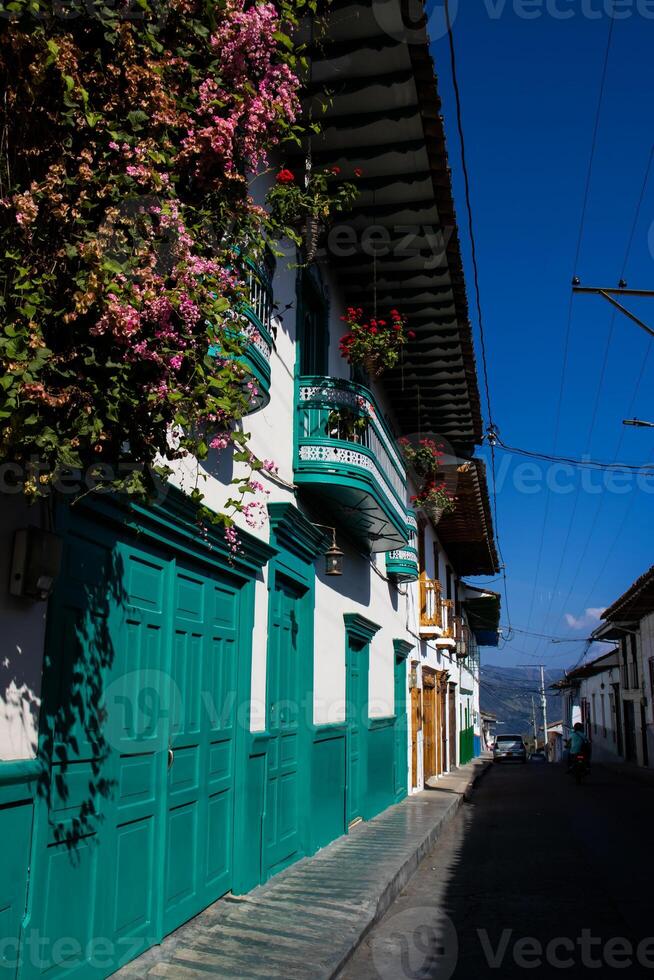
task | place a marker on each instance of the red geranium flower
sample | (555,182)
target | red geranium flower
(335,171)
(411,335)
(358,172)
(285,177)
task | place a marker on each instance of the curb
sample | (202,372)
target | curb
(408,869)
(477,778)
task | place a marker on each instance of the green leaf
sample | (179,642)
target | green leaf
(136,117)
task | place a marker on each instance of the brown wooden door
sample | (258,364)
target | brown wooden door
(429,722)
(453,730)
(416,726)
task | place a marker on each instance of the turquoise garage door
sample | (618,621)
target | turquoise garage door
(135,819)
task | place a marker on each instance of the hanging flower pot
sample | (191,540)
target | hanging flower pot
(312,237)
(374,345)
(433,511)
(425,457)
(372,367)
(434,499)
(305,205)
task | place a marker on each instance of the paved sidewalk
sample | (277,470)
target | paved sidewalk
(305,922)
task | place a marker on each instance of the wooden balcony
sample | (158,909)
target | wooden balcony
(431,607)
(448,619)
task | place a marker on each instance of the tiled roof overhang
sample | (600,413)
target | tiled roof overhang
(384,116)
(636,602)
(467,533)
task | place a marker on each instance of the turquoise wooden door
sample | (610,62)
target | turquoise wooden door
(356,696)
(135,825)
(400,734)
(94,872)
(284,792)
(200,756)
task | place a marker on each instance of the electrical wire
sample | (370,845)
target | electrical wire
(590,464)
(497,534)
(468,199)
(568,329)
(636,390)
(475,272)
(545,636)
(600,385)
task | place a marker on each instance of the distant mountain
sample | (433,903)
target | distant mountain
(507,691)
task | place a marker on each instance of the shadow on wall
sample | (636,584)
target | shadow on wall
(354,583)
(74,748)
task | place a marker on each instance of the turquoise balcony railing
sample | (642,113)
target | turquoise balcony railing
(402,564)
(346,457)
(258,313)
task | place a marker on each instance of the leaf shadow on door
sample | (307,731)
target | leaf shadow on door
(75,742)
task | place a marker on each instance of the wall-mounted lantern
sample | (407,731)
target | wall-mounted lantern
(334,557)
(35,563)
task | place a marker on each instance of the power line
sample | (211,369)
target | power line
(545,636)
(639,380)
(600,385)
(475,271)
(566,342)
(497,535)
(590,464)
(466,181)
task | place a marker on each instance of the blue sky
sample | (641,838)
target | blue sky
(529,91)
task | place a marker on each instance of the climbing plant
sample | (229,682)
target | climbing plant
(130,130)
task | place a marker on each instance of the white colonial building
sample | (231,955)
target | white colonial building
(178,721)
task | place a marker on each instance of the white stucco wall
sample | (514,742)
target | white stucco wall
(21,643)
(647,656)
(362,589)
(597,690)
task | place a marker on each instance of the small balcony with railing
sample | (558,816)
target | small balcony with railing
(402,564)
(258,312)
(347,460)
(438,620)
(431,608)
(253,324)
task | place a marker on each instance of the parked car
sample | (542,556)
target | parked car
(509,748)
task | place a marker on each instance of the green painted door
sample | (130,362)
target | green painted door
(356,696)
(284,792)
(200,755)
(401,745)
(135,823)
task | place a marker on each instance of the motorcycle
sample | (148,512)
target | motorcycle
(580,767)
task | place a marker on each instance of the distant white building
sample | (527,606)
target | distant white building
(629,621)
(591,695)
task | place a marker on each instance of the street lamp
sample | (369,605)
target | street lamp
(638,423)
